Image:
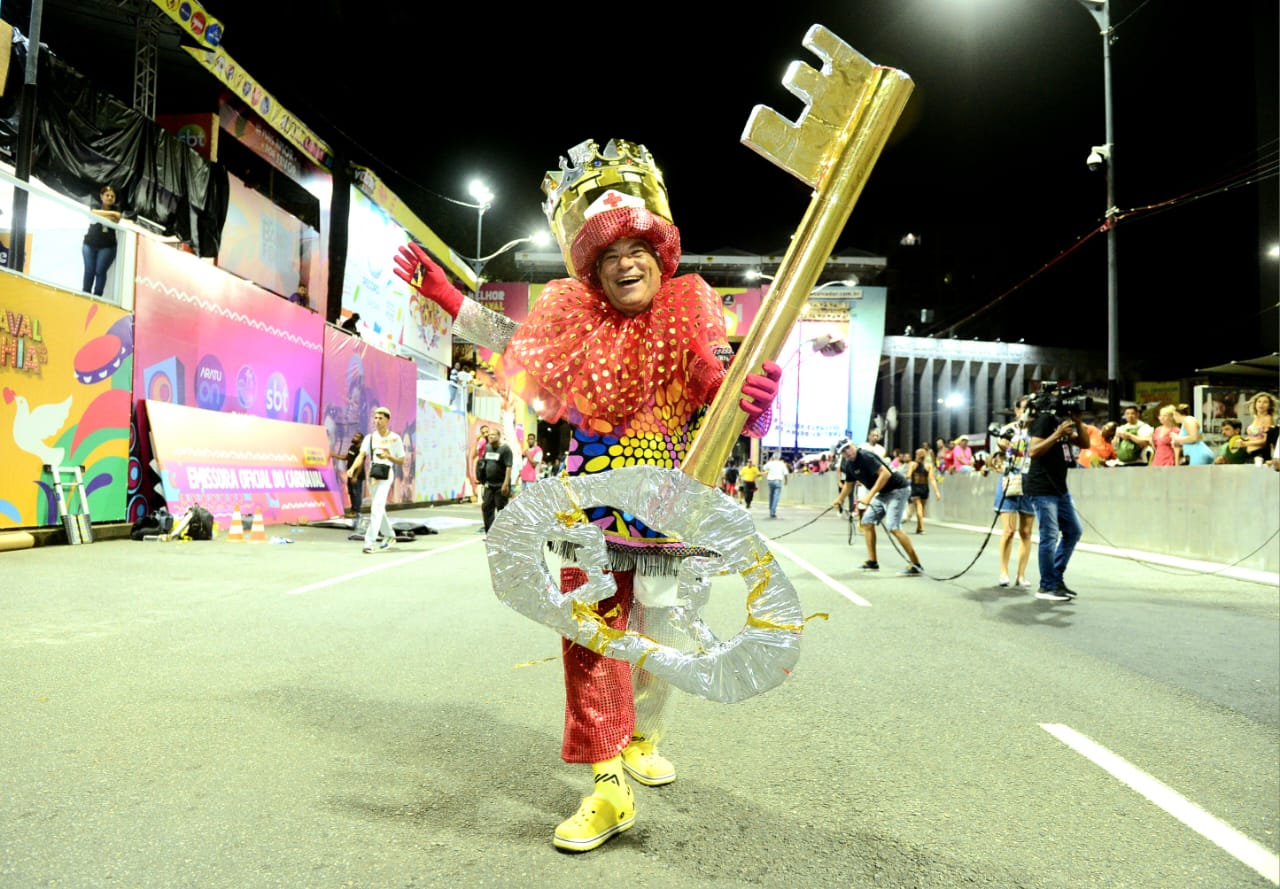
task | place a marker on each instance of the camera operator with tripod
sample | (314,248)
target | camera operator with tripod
(1046,481)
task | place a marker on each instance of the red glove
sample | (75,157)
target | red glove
(759,391)
(416,269)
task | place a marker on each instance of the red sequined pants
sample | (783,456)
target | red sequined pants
(599,707)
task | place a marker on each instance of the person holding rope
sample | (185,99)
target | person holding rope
(885,501)
(630,356)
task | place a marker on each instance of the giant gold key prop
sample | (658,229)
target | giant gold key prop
(852,107)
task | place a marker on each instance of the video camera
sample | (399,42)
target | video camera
(1061,400)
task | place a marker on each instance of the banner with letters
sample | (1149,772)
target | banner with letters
(280,470)
(211,340)
(66,365)
(207,339)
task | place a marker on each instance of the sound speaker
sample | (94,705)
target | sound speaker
(305,409)
(163,381)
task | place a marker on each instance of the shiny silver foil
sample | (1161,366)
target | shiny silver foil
(757,659)
(483,326)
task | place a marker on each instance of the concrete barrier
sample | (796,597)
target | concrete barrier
(1228,515)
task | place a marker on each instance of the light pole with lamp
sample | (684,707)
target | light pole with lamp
(1105,155)
(483,201)
(540,239)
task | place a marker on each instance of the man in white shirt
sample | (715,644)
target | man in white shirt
(776,471)
(873,443)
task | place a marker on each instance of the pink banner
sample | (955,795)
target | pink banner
(357,378)
(210,340)
(281,470)
(206,339)
(510,298)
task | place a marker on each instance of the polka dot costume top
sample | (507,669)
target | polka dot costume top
(633,389)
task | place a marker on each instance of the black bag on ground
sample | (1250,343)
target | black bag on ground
(201,525)
(152,524)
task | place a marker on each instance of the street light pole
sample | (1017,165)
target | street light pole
(1101,12)
(484,200)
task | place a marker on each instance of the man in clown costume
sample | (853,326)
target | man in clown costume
(630,356)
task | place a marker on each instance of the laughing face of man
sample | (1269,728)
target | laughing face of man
(630,274)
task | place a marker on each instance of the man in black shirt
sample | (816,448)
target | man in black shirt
(885,499)
(493,470)
(1046,485)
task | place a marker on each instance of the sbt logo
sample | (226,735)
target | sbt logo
(277,396)
(191,135)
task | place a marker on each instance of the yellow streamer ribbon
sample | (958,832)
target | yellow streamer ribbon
(574,516)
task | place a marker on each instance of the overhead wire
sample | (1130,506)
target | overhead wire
(1266,167)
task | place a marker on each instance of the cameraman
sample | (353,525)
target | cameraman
(885,499)
(1046,485)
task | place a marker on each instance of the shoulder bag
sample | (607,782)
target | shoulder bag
(379,471)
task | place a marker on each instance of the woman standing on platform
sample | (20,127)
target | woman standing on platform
(99,248)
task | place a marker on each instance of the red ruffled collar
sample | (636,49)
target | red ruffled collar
(592,365)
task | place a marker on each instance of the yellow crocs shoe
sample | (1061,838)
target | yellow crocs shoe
(596,820)
(643,762)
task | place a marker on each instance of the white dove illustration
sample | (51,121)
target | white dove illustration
(31,426)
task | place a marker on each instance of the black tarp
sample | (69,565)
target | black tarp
(86,138)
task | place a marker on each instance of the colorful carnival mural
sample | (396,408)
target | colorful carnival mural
(66,366)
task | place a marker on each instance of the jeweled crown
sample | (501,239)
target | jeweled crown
(587,174)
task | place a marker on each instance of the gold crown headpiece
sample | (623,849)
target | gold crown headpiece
(587,175)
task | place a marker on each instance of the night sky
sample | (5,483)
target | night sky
(986,166)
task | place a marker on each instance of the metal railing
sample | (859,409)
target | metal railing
(55,227)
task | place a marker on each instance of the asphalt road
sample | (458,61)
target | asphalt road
(241,715)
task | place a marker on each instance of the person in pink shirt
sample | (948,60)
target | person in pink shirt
(532,460)
(942,456)
(961,457)
(1167,451)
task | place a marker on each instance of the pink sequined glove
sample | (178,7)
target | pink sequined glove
(416,269)
(759,391)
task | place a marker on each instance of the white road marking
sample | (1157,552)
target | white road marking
(382,565)
(1217,832)
(821,575)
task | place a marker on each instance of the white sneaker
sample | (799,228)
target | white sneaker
(1004,580)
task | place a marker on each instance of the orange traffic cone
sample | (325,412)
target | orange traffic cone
(235,534)
(258,534)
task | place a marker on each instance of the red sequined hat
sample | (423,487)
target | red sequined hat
(597,197)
